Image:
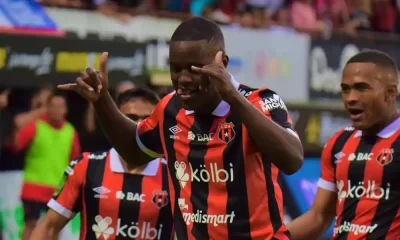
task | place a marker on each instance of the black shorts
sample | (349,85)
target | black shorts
(33,210)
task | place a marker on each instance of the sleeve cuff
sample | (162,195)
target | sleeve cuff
(330,186)
(149,152)
(53,204)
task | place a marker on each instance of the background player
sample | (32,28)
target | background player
(51,142)
(221,147)
(111,194)
(361,164)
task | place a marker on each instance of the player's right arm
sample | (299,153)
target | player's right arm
(119,129)
(314,223)
(66,201)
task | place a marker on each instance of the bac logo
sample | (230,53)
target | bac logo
(226,132)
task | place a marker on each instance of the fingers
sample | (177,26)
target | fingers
(91,76)
(203,71)
(81,84)
(68,86)
(219,57)
(103,63)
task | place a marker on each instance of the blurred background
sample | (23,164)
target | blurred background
(295,47)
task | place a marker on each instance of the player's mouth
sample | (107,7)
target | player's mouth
(186,93)
(355,114)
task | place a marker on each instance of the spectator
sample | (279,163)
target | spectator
(359,14)
(262,10)
(210,9)
(50,142)
(304,17)
(173,9)
(383,17)
(119,9)
(334,10)
(282,22)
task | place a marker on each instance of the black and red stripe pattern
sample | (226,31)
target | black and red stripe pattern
(223,188)
(118,205)
(365,170)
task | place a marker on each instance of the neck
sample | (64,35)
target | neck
(382,124)
(131,169)
(210,106)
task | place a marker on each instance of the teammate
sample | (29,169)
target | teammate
(224,142)
(361,164)
(51,143)
(116,200)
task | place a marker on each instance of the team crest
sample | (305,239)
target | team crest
(226,132)
(160,198)
(385,156)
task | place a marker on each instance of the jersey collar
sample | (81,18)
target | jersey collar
(116,165)
(387,132)
(223,107)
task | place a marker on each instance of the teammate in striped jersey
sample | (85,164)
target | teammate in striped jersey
(360,183)
(116,200)
(224,142)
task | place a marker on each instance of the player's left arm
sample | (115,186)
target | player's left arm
(266,118)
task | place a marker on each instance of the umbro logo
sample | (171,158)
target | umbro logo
(339,157)
(101,192)
(174,130)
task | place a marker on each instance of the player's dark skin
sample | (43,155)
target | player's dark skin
(369,95)
(198,72)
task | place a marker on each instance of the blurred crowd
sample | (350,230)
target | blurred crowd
(311,16)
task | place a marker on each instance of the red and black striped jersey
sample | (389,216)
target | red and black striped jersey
(224,188)
(115,205)
(364,171)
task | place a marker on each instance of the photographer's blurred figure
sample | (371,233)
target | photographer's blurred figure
(51,142)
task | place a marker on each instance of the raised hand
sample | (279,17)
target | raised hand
(91,84)
(219,76)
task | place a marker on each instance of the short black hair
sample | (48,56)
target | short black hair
(198,28)
(138,92)
(376,57)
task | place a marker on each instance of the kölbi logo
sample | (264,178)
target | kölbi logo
(206,173)
(143,230)
(367,189)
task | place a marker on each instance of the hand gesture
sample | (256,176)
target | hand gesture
(91,84)
(219,76)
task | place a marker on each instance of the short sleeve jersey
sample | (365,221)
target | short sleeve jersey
(222,187)
(115,204)
(364,171)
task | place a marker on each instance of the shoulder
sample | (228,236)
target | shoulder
(340,137)
(266,99)
(162,104)
(96,156)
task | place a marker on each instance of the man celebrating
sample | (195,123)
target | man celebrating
(116,200)
(361,164)
(224,142)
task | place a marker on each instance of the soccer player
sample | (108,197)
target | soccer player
(117,200)
(361,164)
(51,143)
(224,142)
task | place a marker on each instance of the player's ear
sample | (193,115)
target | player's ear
(225,59)
(391,92)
